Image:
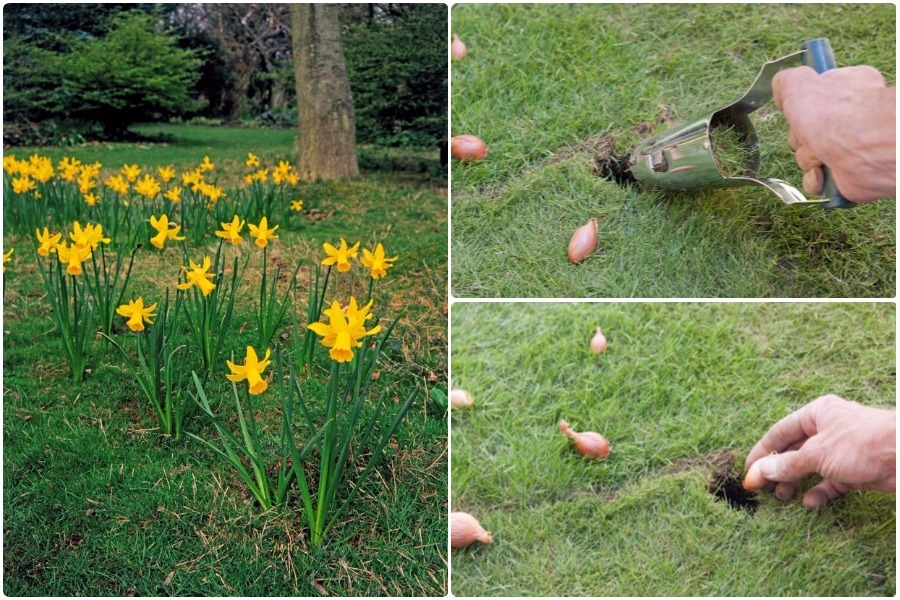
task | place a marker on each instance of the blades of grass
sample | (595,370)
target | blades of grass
(375,455)
(295,384)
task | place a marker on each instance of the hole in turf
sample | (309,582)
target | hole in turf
(616,168)
(726,485)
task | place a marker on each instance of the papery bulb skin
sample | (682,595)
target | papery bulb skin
(460,399)
(457,48)
(465,530)
(467,148)
(583,241)
(589,444)
(598,342)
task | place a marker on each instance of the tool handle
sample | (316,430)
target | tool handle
(819,56)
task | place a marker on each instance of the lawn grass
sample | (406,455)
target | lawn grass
(552,88)
(97,503)
(681,390)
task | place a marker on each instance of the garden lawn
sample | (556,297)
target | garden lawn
(683,390)
(98,503)
(550,88)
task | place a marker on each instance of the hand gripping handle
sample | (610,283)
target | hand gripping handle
(818,55)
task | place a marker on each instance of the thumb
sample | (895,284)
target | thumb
(787,466)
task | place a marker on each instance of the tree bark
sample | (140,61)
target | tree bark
(326,142)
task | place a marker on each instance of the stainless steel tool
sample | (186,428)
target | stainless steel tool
(683,157)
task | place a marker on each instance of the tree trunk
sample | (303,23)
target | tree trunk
(327,137)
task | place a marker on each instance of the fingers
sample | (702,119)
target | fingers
(814,181)
(789,466)
(790,431)
(787,81)
(806,159)
(824,492)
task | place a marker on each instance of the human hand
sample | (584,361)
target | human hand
(845,119)
(851,446)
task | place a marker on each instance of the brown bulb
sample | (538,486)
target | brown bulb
(589,444)
(465,530)
(467,148)
(457,48)
(583,241)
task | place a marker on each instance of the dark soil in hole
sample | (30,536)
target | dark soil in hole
(609,166)
(726,484)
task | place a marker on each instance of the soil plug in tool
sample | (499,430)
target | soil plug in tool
(722,149)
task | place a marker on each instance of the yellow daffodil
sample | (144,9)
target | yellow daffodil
(147,187)
(7,256)
(91,199)
(40,167)
(192,178)
(48,243)
(68,168)
(261,175)
(11,165)
(86,183)
(163,231)
(166,173)
(118,183)
(248,179)
(174,194)
(206,165)
(73,256)
(251,370)
(90,237)
(344,330)
(232,231)
(198,275)
(131,172)
(262,233)
(210,191)
(340,256)
(297,205)
(377,263)
(252,160)
(23,184)
(284,172)
(136,313)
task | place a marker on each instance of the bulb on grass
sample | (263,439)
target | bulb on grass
(465,530)
(467,148)
(583,241)
(460,399)
(457,48)
(589,444)
(598,342)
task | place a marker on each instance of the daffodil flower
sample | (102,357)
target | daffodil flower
(340,256)
(131,172)
(174,194)
(297,205)
(377,263)
(118,183)
(88,237)
(252,160)
(73,256)
(344,330)
(136,313)
(48,243)
(23,184)
(198,275)
(147,187)
(162,225)
(206,165)
(251,370)
(7,256)
(166,173)
(232,231)
(91,199)
(262,233)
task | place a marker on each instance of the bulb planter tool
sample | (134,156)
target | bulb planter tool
(683,158)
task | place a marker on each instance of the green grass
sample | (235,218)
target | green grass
(729,150)
(680,388)
(97,503)
(549,88)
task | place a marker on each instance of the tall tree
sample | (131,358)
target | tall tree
(327,127)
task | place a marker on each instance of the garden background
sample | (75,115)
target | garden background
(97,501)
